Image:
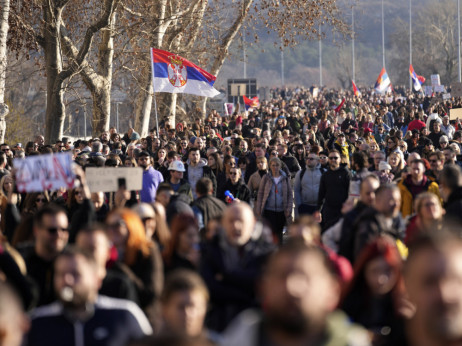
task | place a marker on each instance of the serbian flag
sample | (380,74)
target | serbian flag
(355,89)
(254,102)
(173,74)
(417,80)
(383,81)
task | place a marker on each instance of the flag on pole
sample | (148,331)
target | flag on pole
(417,80)
(254,102)
(382,81)
(339,107)
(355,89)
(173,74)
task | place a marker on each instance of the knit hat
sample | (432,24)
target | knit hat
(383,165)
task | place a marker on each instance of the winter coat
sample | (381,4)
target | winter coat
(264,190)
(407,200)
(306,186)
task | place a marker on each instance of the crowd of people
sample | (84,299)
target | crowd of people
(326,220)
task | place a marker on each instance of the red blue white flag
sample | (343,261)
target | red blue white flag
(254,102)
(173,74)
(383,81)
(355,89)
(417,80)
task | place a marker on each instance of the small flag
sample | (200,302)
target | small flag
(254,102)
(416,80)
(355,89)
(173,74)
(339,107)
(383,81)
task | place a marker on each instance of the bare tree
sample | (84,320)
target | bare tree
(4,15)
(48,32)
(434,42)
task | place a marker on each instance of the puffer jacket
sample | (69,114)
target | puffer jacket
(306,186)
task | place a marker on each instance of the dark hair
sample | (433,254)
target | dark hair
(183,280)
(164,187)
(360,159)
(451,176)
(50,209)
(204,186)
(193,149)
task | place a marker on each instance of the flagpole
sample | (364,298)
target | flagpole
(154,93)
(458,31)
(410,42)
(353,40)
(383,39)
(282,62)
(320,57)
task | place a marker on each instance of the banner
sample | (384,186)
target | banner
(106,179)
(44,172)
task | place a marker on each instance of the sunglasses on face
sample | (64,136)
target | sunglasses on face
(334,157)
(38,200)
(54,230)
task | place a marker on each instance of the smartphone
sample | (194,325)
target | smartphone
(121,183)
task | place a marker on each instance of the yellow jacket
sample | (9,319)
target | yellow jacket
(407,201)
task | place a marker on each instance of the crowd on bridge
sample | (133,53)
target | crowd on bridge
(315,218)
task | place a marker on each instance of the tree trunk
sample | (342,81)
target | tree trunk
(55,111)
(4,14)
(143,105)
(102,99)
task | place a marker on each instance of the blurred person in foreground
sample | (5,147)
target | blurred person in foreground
(232,262)
(374,296)
(300,292)
(80,315)
(13,321)
(433,279)
(184,305)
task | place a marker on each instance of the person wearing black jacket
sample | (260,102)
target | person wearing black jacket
(451,192)
(206,207)
(368,187)
(288,159)
(333,190)
(232,263)
(235,186)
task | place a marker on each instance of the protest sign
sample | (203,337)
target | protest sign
(435,78)
(106,179)
(446,96)
(315,92)
(229,108)
(44,172)
(439,89)
(428,90)
(455,113)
